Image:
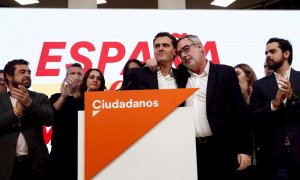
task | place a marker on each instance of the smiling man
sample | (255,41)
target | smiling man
(23,113)
(223,139)
(166,77)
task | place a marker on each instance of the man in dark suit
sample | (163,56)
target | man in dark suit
(23,153)
(66,105)
(276,114)
(166,77)
(223,138)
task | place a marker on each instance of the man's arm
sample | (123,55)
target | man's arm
(40,109)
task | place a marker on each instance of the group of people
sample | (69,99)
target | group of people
(23,113)
(236,115)
(238,119)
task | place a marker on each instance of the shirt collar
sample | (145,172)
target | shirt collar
(169,75)
(204,73)
(286,73)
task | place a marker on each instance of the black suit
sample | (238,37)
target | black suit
(272,127)
(225,109)
(144,78)
(38,114)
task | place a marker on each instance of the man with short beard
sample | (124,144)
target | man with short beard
(23,152)
(275,106)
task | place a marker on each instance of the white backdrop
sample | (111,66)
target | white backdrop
(239,35)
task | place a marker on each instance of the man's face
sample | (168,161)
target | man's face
(22,76)
(274,56)
(2,83)
(191,54)
(77,71)
(164,50)
(267,70)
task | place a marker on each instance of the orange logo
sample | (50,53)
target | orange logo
(114,120)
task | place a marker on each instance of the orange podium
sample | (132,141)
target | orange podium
(137,134)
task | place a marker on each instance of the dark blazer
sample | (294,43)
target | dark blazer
(272,127)
(225,109)
(38,114)
(143,78)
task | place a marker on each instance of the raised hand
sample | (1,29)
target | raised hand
(22,95)
(284,86)
(152,64)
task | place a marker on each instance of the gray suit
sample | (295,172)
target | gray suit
(38,114)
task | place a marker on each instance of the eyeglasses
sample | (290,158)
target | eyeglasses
(186,49)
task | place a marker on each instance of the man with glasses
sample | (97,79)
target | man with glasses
(2,82)
(166,77)
(223,138)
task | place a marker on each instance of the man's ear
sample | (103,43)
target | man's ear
(286,54)
(9,77)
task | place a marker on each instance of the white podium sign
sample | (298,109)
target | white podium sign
(166,152)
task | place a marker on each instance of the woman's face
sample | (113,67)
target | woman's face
(93,81)
(133,65)
(241,75)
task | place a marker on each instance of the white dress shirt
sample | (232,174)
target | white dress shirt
(198,102)
(21,148)
(166,82)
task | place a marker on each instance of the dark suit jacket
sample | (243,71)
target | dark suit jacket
(143,78)
(225,109)
(272,127)
(38,114)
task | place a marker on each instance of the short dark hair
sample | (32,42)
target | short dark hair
(163,34)
(83,86)
(284,45)
(10,67)
(126,66)
(73,65)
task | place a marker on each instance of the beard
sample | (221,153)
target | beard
(26,82)
(275,65)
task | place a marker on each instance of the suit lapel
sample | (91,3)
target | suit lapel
(212,76)
(293,79)
(179,79)
(273,84)
(5,101)
(152,79)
